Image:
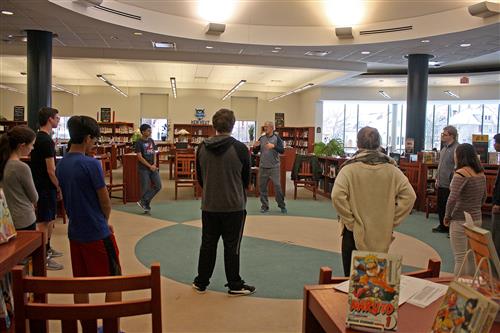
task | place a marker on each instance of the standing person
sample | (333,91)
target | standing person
(223,170)
(371,196)
(92,242)
(270,146)
(467,194)
(445,173)
(43,168)
(149,174)
(495,211)
(17,182)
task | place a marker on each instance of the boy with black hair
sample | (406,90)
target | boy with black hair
(92,243)
(149,175)
(43,169)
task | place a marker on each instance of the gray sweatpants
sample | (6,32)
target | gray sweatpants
(459,246)
(274,174)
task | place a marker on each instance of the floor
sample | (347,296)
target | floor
(275,248)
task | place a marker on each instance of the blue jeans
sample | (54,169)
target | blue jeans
(150,185)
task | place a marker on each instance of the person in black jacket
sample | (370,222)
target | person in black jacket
(495,212)
(223,171)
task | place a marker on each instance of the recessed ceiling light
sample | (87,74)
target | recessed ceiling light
(425,41)
(277,48)
(163,45)
(209,47)
(137,33)
(24,39)
(435,63)
(317,53)
(113,37)
(7,12)
(365,52)
(465,45)
(275,51)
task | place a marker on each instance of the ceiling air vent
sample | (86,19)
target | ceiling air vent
(117,12)
(383,31)
(317,53)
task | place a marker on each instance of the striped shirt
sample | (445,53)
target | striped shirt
(466,194)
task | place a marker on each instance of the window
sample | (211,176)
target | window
(374,115)
(333,121)
(159,127)
(240,130)
(351,128)
(467,118)
(490,122)
(61,132)
(440,122)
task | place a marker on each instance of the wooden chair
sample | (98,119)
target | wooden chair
(185,172)
(304,176)
(69,314)
(432,271)
(110,186)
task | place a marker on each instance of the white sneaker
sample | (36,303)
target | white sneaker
(53,266)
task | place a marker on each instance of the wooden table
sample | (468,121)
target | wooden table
(26,243)
(325,310)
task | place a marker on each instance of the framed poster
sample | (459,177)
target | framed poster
(19,113)
(106,115)
(279,120)
(480,143)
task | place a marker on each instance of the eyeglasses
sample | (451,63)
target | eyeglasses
(445,134)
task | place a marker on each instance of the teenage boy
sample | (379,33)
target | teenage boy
(149,174)
(92,243)
(43,169)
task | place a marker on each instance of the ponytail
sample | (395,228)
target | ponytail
(11,140)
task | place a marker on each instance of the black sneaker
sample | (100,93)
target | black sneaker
(264,210)
(244,291)
(440,228)
(199,289)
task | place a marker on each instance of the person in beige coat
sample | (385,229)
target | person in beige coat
(371,196)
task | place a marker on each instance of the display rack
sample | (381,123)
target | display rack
(197,133)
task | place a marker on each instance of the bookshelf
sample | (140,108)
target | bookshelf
(117,132)
(300,138)
(330,167)
(197,133)
(5,125)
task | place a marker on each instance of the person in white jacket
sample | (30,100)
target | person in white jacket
(371,196)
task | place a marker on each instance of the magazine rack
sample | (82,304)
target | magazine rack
(483,279)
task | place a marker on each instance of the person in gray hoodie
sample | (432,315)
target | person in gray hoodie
(223,171)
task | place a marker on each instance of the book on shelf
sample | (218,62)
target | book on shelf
(6,302)
(373,291)
(7,229)
(464,310)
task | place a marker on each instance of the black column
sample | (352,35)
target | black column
(39,73)
(416,98)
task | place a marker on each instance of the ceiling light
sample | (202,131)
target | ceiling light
(344,13)
(24,39)
(2,86)
(233,89)
(365,52)
(7,12)
(209,47)
(278,48)
(137,33)
(216,10)
(275,51)
(450,93)
(163,45)
(384,94)
(113,37)
(58,87)
(317,53)
(215,29)
(425,41)
(307,86)
(101,77)
(465,45)
(435,63)
(173,84)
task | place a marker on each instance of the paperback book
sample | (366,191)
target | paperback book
(464,310)
(373,291)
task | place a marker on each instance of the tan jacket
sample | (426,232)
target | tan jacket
(370,201)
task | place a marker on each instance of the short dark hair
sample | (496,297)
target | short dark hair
(223,121)
(81,126)
(45,113)
(497,138)
(368,138)
(467,157)
(144,127)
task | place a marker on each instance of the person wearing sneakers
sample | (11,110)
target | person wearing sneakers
(270,146)
(91,238)
(223,170)
(43,169)
(149,174)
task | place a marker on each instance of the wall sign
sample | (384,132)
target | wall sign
(19,113)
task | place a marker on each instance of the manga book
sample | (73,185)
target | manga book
(464,310)
(7,229)
(373,291)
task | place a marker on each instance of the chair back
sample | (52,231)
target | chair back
(185,166)
(432,271)
(69,314)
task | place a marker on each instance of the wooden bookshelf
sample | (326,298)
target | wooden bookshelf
(197,133)
(117,132)
(300,138)
(6,125)
(330,167)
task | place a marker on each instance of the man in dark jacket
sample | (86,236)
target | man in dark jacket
(223,170)
(495,216)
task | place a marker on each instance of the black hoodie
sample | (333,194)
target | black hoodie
(223,170)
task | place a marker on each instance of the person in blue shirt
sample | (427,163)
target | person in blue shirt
(92,243)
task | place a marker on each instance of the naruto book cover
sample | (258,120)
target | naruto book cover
(373,291)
